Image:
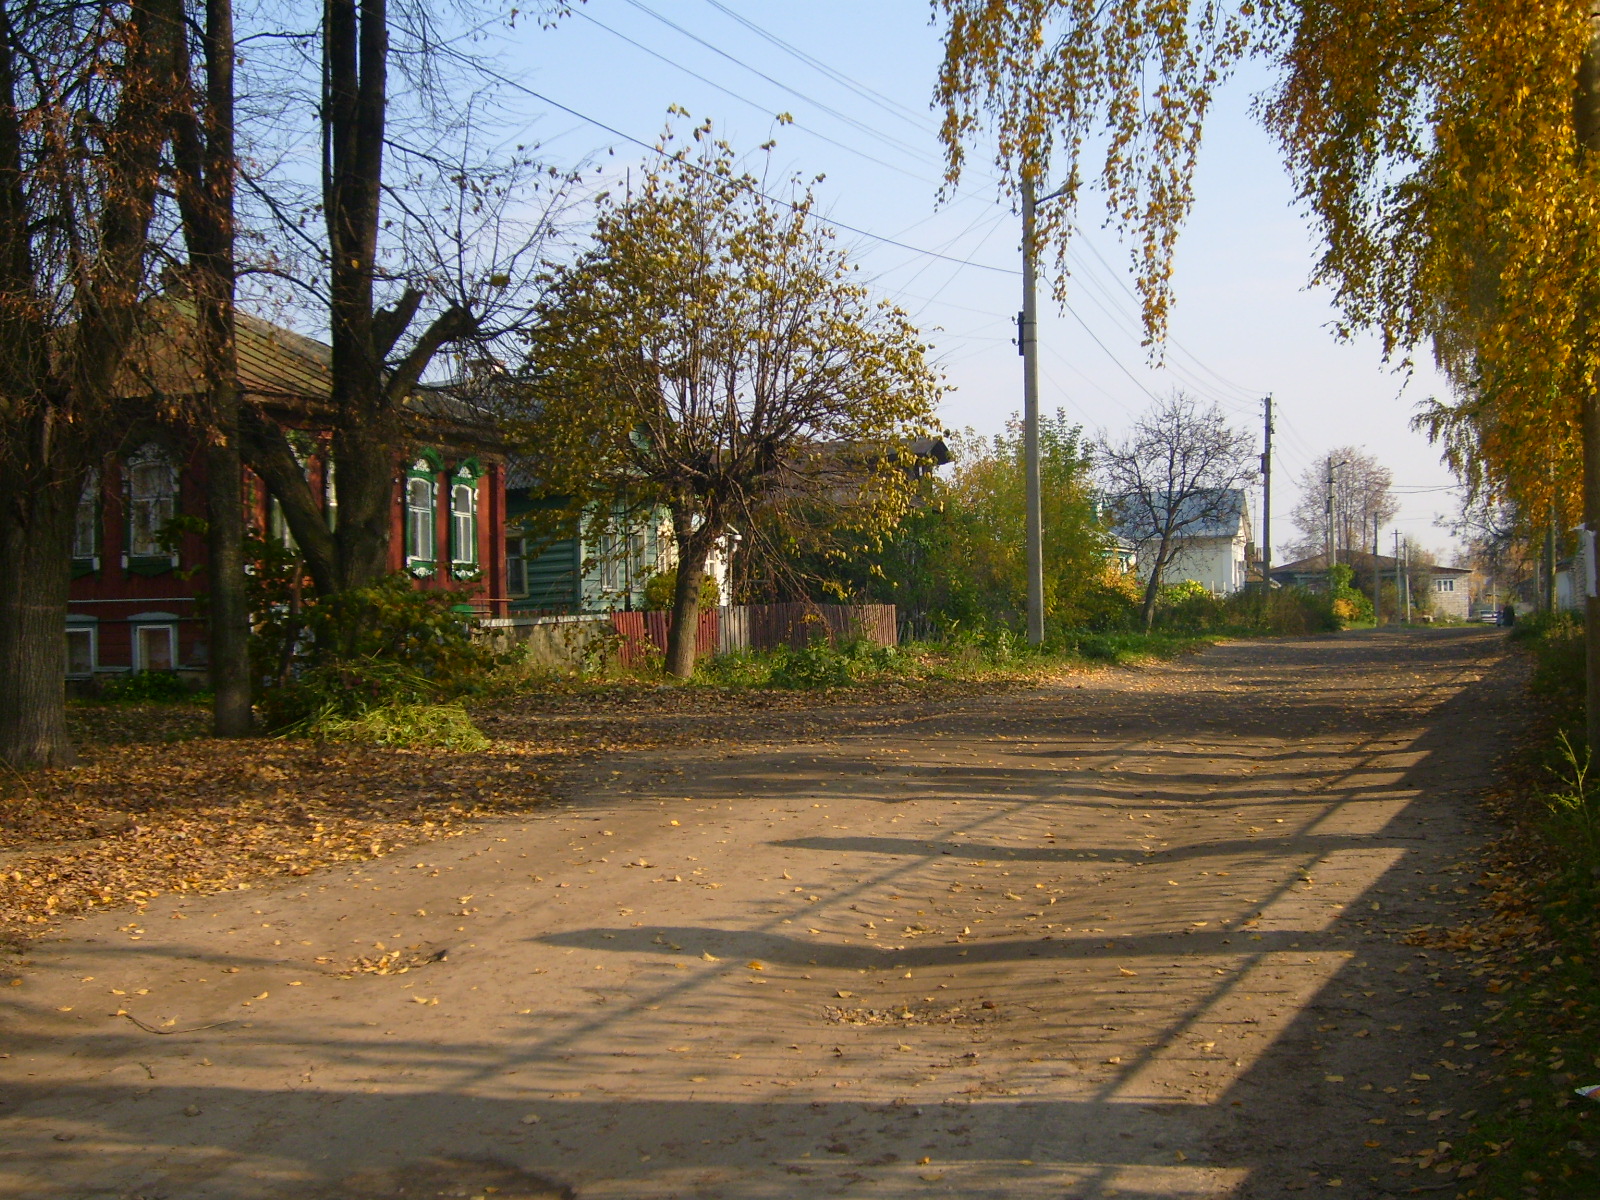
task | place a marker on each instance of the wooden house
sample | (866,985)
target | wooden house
(136,602)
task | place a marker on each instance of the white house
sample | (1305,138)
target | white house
(1213,540)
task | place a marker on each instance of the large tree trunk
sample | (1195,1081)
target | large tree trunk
(205,169)
(694,547)
(36,546)
(53,415)
(366,483)
(229,605)
(1586,127)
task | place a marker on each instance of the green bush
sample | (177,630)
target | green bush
(660,591)
(818,665)
(445,726)
(143,686)
(346,655)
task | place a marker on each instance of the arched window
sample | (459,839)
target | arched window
(421,521)
(464,520)
(86,527)
(151,482)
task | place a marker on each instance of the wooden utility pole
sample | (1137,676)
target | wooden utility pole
(1377,577)
(1028,347)
(1266,498)
(1333,542)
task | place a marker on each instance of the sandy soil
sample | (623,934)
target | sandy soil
(1137,937)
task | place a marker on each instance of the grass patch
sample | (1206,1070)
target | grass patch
(992,656)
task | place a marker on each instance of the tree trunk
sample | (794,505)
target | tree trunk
(1152,588)
(366,484)
(694,547)
(1586,127)
(36,545)
(229,606)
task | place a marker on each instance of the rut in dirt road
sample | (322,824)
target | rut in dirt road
(1137,937)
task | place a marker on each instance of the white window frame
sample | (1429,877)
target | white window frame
(138,627)
(91,629)
(161,503)
(1444,585)
(87,517)
(464,527)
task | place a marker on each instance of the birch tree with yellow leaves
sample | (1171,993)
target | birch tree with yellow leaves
(1447,154)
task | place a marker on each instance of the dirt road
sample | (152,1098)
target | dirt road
(1136,938)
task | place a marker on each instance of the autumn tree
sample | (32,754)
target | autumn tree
(712,353)
(1177,475)
(85,94)
(428,244)
(204,170)
(1449,156)
(1360,497)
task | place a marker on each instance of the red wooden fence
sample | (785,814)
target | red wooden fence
(644,634)
(756,627)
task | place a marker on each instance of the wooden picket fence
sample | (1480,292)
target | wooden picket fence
(756,627)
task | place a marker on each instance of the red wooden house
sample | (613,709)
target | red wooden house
(139,575)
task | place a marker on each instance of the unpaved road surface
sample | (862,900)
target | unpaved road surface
(1136,938)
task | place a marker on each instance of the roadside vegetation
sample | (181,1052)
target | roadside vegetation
(1537,949)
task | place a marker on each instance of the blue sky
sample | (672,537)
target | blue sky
(1245,322)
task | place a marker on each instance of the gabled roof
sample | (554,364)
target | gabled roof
(1361,560)
(1230,511)
(277,368)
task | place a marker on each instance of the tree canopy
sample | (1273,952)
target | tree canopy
(712,353)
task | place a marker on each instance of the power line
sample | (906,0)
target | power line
(727,91)
(889,105)
(789,204)
(778,83)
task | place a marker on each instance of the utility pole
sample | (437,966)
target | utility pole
(1333,541)
(1377,577)
(1397,600)
(1266,499)
(1028,347)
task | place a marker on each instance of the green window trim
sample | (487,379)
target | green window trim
(422,517)
(464,522)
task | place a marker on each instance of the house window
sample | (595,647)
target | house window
(421,519)
(463,526)
(155,647)
(610,564)
(80,651)
(86,527)
(1444,585)
(516,566)
(152,485)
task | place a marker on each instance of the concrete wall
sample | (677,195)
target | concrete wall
(1452,604)
(561,643)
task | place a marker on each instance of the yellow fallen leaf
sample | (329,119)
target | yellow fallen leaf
(755,966)
(1125,971)
(709,957)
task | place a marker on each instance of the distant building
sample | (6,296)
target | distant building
(1444,591)
(1213,543)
